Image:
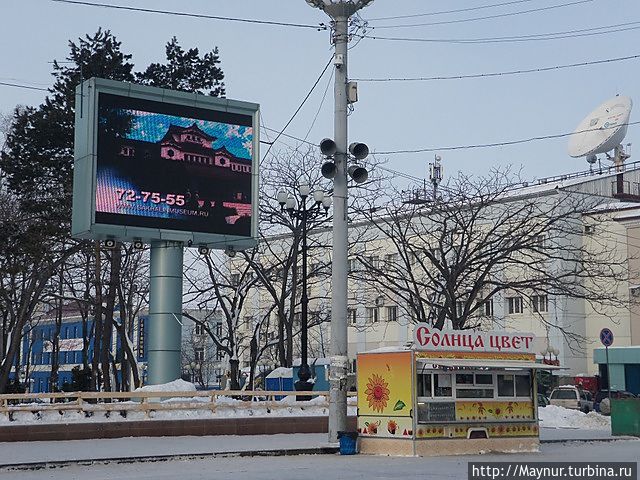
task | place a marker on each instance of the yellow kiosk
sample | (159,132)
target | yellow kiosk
(451,392)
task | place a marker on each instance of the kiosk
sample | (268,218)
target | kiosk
(451,392)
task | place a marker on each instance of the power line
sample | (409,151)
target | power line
(488,17)
(315,84)
(324,96)
(514,39)
(444,12)
(320,26)
(17,85)
(499,74)
(496,144)
(534,35)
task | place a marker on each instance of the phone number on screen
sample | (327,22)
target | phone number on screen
(153,197)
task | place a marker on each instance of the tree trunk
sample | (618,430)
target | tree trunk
(97,322)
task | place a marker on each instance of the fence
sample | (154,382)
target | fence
(146,401)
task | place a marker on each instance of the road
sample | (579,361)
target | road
(328,467)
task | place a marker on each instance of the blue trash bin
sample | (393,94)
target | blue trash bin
(348,442)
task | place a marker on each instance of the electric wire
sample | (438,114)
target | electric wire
(28,87)
(324,97)
(444,12)
(487,17)
(193,15)
(514,39)
(315,84)
(498,144)
(499,74)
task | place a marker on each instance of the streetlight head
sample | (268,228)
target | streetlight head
(281,197)
(326,202)
(304,190)
(339,7)
(290,203)
(318,195)
(358,173)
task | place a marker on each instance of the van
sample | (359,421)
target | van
(568,396)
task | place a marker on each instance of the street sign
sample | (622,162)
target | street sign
(606,337)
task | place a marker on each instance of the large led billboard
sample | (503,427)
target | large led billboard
(155,164)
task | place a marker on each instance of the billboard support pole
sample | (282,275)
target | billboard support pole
(165,312)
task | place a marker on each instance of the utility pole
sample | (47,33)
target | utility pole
(339,11)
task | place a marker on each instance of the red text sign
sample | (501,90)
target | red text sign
(428,338)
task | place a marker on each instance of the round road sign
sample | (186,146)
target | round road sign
(606,337)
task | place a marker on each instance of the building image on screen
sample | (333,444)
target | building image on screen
(173,167)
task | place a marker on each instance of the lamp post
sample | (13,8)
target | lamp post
(321,204)
(339,11)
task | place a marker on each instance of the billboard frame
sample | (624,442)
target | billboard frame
(84,225)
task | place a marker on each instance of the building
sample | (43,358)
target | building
(376,318)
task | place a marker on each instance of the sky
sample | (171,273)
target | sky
(276,66)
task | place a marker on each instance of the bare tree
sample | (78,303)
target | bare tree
(444,259)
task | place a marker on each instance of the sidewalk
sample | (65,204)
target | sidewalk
(145,448)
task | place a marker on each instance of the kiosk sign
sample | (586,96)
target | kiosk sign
(430,339)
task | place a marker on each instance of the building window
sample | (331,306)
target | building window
(392,313)
(352,265)
(488,308)
(198,354)
(391,260)
(540,303)
(514,304)
(219,355)
(539,241)
(219,329)
(199,330)
(373,262)
(235,279)
(373,314)
(351,315)
(460,304)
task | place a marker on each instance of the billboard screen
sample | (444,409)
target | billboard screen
(168,166)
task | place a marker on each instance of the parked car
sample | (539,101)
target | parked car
(543,400)
(569,396)
(604,393)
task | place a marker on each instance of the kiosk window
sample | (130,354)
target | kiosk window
(484,379)
(442,385)
(505,385)
(424,385)
(464,378)
(523,386)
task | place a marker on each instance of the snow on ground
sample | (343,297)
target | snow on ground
(553,416)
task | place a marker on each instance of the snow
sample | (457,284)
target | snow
(178,385)
(559,417)
(281,372)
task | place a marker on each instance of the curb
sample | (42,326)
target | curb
(166,458)
(567,440)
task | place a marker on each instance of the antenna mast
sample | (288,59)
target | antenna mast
(435,175)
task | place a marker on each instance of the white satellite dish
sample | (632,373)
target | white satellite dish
(602,130)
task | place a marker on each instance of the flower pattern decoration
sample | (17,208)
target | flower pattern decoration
(377,392)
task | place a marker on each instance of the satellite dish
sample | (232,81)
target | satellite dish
(602,130)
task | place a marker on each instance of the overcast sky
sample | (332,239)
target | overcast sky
(276,66)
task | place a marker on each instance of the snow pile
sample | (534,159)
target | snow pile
(178,385)
(281,372)
(554,416)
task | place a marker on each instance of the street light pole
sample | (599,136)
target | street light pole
(339,11)
(339,341)
(303,214)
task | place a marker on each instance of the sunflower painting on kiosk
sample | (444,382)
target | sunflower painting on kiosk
(385,382)
(377,393)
